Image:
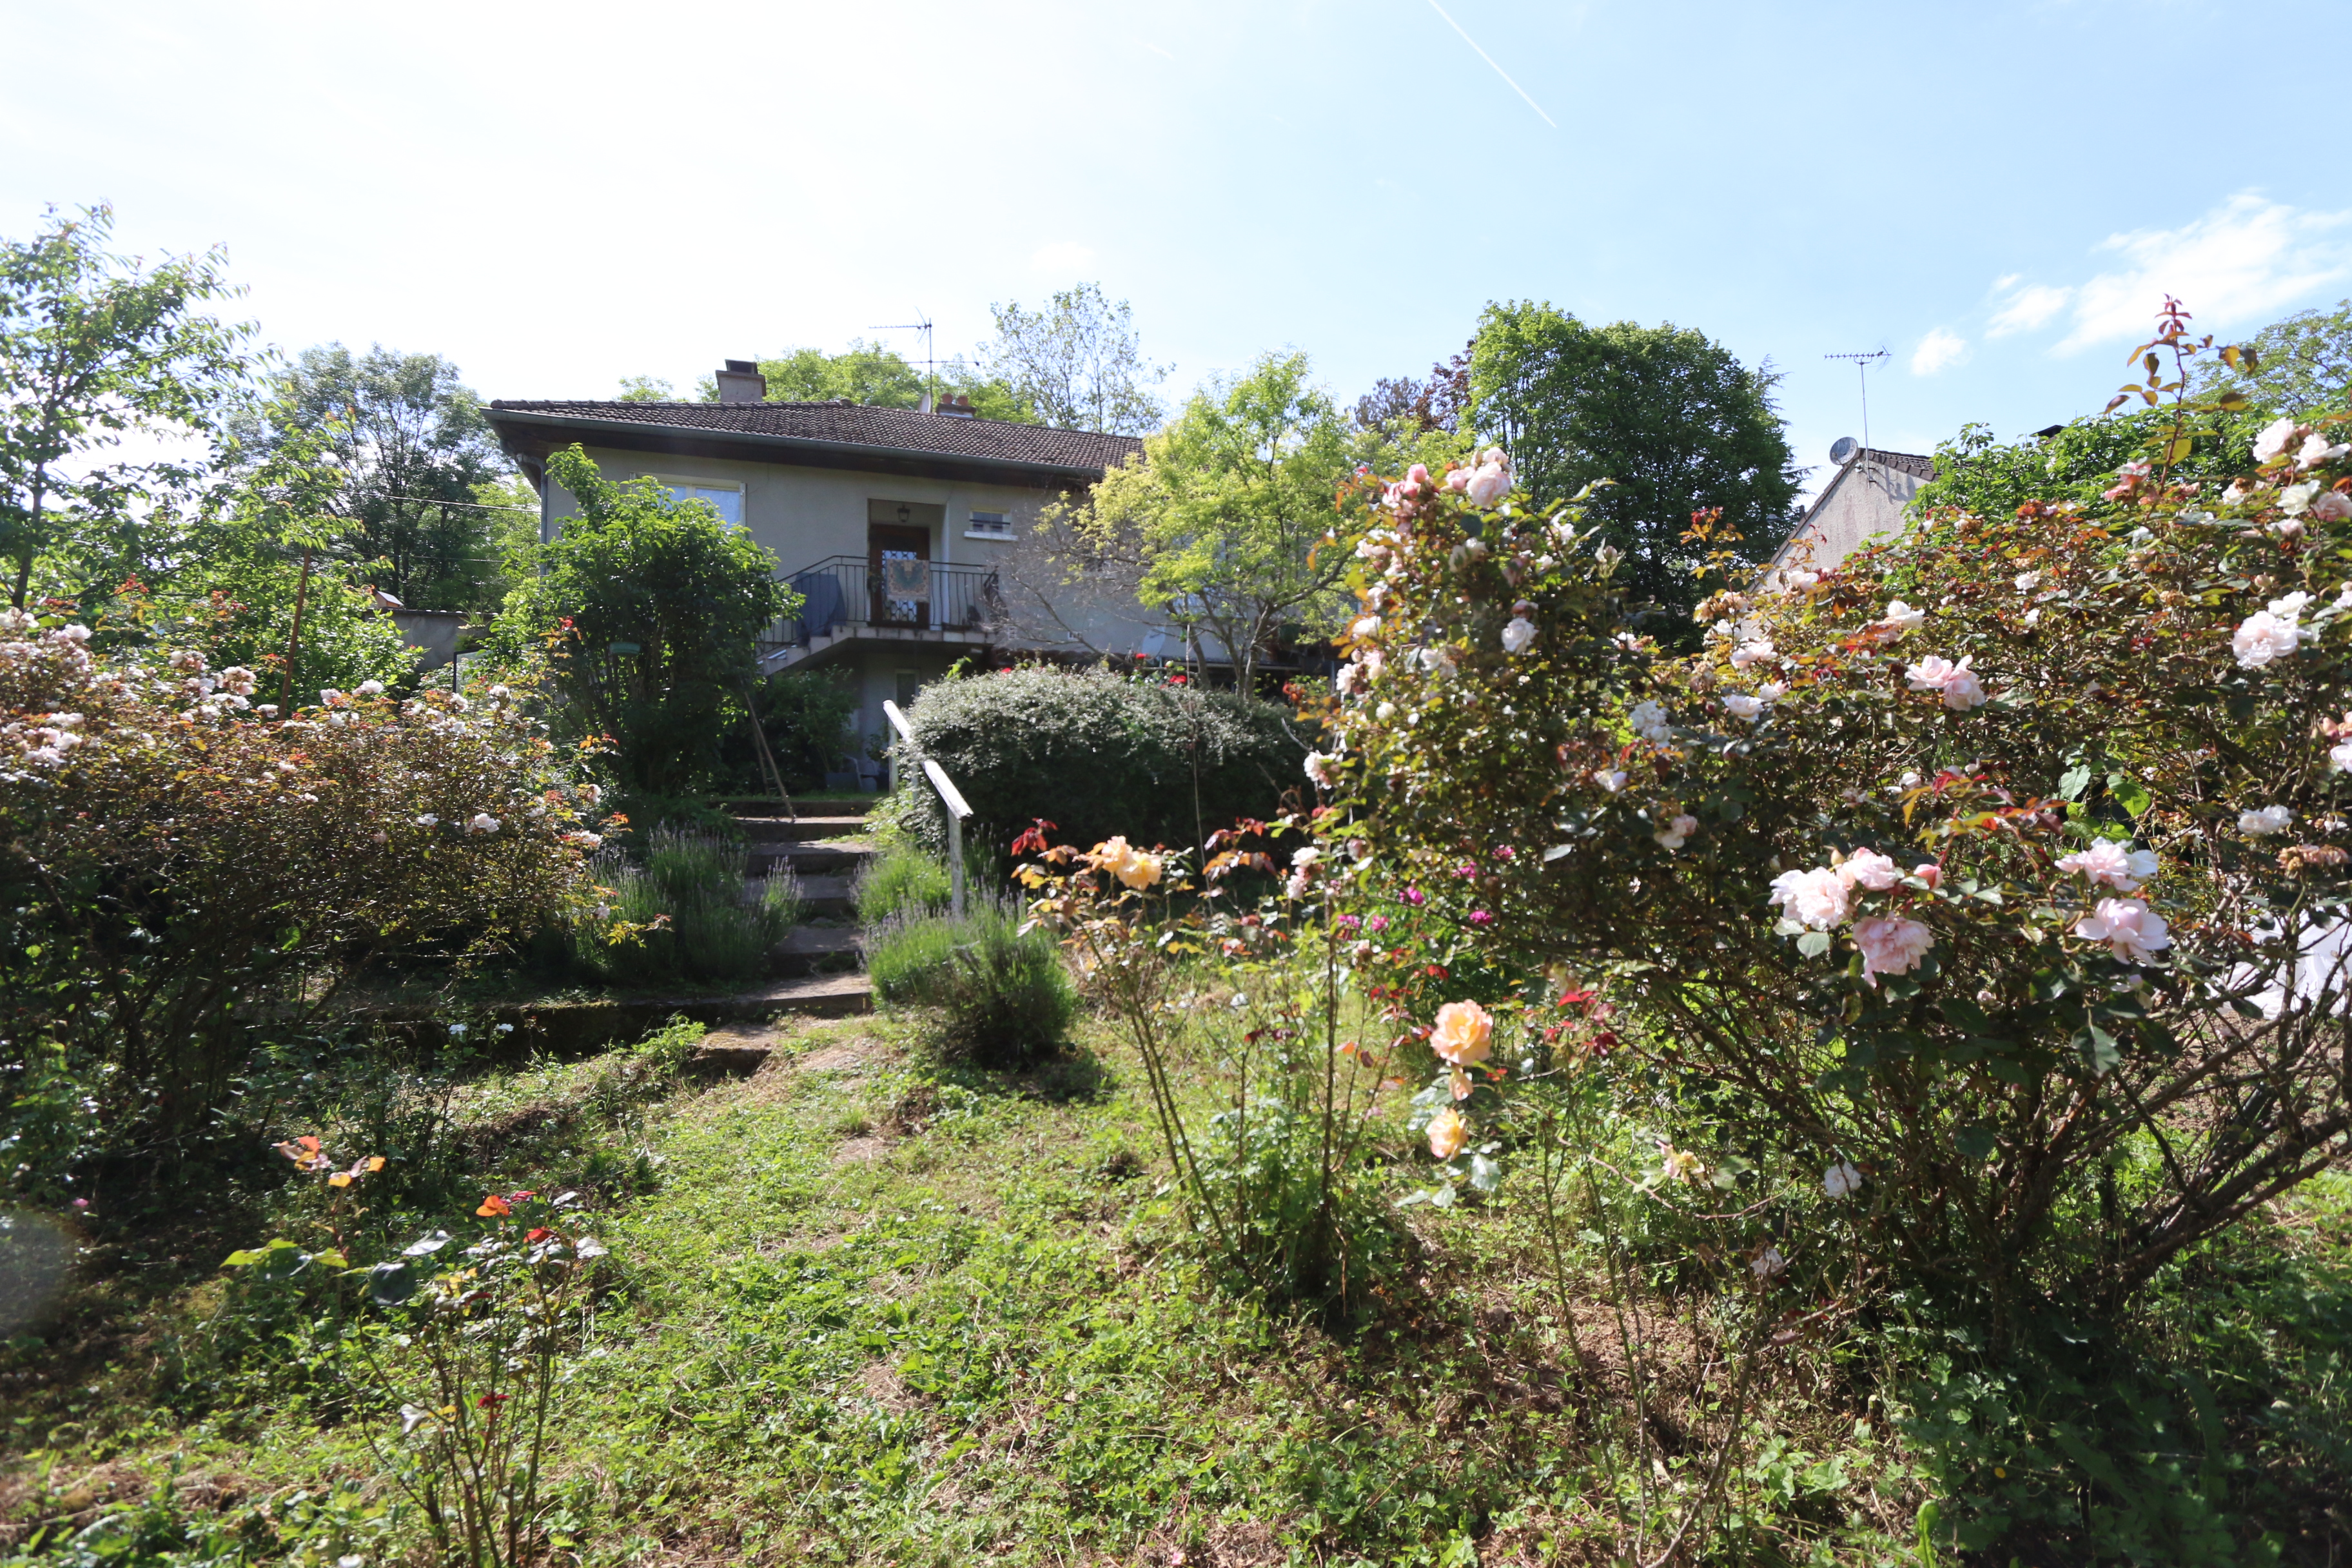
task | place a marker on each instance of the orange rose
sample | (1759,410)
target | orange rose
(1448,1133)
(1464,1033)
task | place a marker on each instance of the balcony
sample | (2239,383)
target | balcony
(932,601)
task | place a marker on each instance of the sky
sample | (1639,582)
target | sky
(1995,193)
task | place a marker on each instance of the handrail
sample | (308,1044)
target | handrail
(949,798)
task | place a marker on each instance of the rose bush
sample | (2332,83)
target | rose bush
(2004,865)
(184,866)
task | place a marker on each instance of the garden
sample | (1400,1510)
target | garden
(1621,1072)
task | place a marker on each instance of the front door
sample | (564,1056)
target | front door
(899,571)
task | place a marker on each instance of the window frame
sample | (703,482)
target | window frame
(674,482)
(980,524)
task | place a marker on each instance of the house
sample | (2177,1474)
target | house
(1867,499)
(896,525)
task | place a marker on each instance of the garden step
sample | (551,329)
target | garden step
(578,1029)
(773,808)
(767,829)
(820,895)
(805,950)
(809,859)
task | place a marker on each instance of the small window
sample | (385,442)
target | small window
(989,525)
(725,500)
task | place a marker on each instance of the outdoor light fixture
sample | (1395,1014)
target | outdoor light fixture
(905,512)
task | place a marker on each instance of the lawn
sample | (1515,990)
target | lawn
(860,1309)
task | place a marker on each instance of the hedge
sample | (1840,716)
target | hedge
(1096,754)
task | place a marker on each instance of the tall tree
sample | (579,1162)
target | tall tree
(412,445)
(878,376)
(1435,403)
(1674,420)
(1225,517)
(1076,362)
(94,347)
(2303,365)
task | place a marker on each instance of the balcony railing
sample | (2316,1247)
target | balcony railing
(844,593)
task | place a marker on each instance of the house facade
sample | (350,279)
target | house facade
(1868,498)
(896,525)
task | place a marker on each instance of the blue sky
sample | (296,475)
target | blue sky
(556,196)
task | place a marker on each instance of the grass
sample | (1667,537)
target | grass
(870,1311)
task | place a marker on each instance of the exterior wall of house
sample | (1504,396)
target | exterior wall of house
(804,515)
(1865,502)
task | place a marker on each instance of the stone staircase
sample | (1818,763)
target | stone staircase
(824,846)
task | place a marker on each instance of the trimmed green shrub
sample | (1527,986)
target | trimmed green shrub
(1002,993)
(684,913)
(1097,755)
(901,880)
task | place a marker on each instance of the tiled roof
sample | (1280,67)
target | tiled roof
(852,425)
(1909,463)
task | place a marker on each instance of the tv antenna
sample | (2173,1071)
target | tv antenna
(923,325)
(1862,362)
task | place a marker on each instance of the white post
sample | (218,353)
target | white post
(949,796)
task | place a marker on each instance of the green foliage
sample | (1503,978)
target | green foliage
(177,872)
(1671,420)
(1004,998)
(806,715)
(2303,365)
(880,377)
(1225,512)
(648,609)
(94,350)
(1990,478)
(683,913)
(1098,755)
(900,881)
(1075,363)
(408,448)
(2046,1109)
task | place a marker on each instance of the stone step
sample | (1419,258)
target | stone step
(808,861)
(820,895)
(770,807)
(785,830)
(807,950)
(571,1029)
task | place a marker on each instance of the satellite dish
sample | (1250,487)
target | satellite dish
(1841,448)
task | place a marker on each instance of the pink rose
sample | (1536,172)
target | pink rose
(1890,945)
(2133,932)
(1869,869)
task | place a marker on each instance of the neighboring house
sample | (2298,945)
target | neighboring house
(891,522)
(1866,500)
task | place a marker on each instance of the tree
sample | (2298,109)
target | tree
(2079,461)
(93,347)
(646,389)
(877,376)
(411,443)
(1225,517)
(1076,362)
(1671,420)
(2303,365)
(650,609)
(1432,404)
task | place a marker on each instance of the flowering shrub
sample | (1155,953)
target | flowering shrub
(183,864)
(2001,869)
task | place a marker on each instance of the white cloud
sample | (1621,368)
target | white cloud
(2026,308)
(1938,350)
(2239,263)
(1065,256)
(2244,259)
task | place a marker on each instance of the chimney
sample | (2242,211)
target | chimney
(956,405)
(740,381)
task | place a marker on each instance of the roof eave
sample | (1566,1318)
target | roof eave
(762,441)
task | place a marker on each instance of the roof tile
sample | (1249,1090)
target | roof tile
(855,424)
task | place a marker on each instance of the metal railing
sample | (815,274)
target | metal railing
(950,797)
(844,592)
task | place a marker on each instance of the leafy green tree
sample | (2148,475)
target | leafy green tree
(646,389)
(411,443)
(2078,461)
(93,347)
(878,376)
(1076,362)
(1225,517)
(1671,418)
(650,609)
(2303,365)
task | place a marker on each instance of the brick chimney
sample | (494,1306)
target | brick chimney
(740,381)
(955,405)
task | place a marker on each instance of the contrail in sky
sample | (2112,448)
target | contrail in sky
(1498,71)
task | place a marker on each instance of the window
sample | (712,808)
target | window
(989,525)
(726,499)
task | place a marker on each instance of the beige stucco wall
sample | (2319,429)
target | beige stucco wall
(1866,502)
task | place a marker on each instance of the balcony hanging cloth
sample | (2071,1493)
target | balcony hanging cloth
(903,576)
